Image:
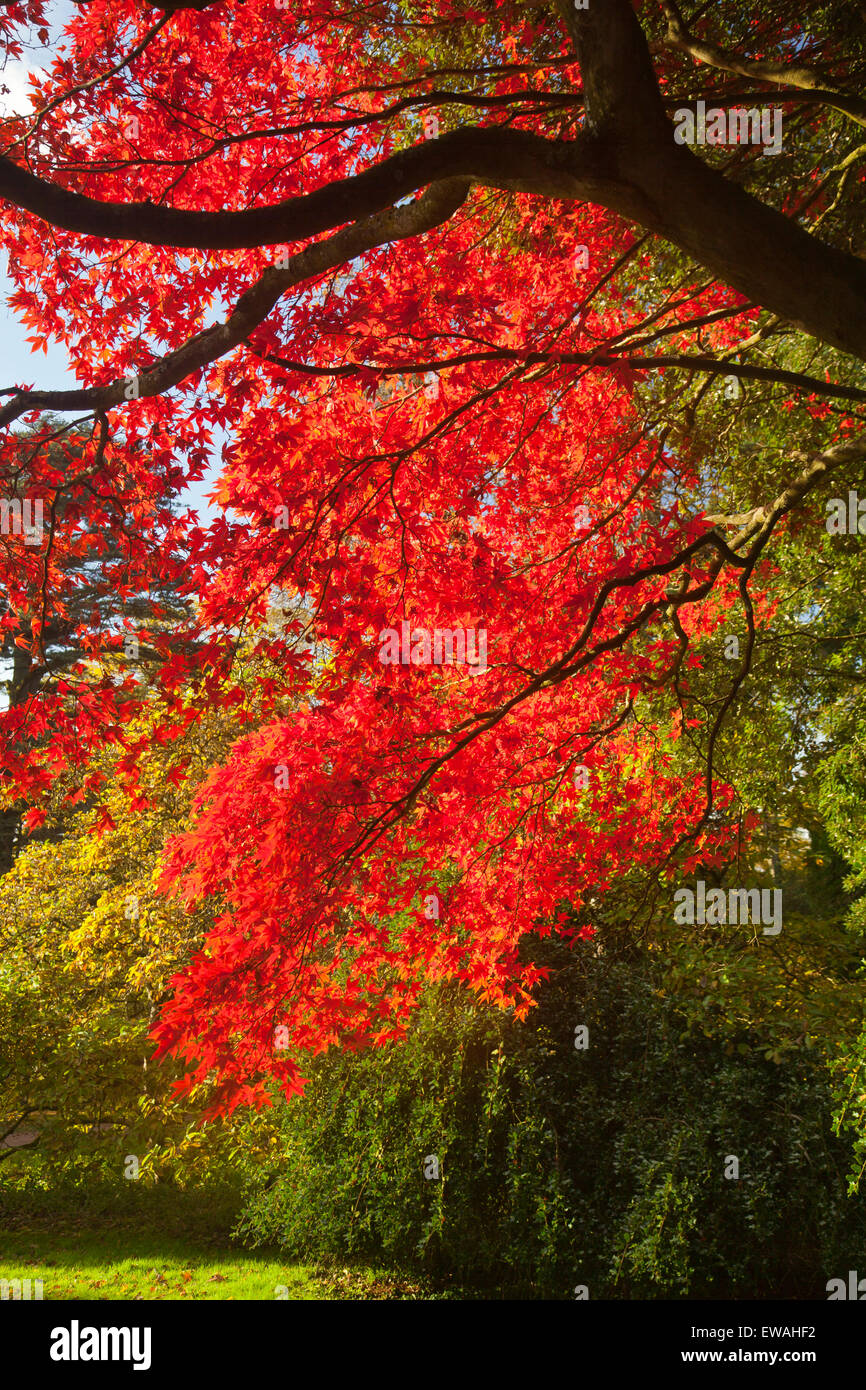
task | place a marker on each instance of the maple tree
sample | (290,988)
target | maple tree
(475,407)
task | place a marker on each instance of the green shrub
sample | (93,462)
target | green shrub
(559,1167)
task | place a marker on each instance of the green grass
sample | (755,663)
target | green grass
(125,1265)
(98,1241)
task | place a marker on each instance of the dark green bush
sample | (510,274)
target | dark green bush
(559,1167)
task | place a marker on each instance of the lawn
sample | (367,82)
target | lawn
(124,1265)
(103,1243)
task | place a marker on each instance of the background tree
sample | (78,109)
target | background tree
(87,952)
(74,597)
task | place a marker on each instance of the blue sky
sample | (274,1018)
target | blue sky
(50,370)
(18,362)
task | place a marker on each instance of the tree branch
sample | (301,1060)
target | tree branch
(715,366)
(500,158)
(625,159)
(438,204)
(800,75)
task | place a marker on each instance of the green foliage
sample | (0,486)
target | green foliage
(559,1167)
(87,951)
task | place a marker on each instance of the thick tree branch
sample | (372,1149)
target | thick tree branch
(508,159)
(620,91)
(438,204)
(625,160)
